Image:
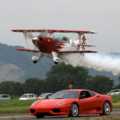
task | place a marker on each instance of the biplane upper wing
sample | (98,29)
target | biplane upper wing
(52,31)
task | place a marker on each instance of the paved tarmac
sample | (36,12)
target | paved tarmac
(114,114)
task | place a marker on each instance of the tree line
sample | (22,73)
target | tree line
(57,78)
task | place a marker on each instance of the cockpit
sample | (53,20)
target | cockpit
(61,37)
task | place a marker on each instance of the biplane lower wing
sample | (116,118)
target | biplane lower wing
(81,51)
(29,50)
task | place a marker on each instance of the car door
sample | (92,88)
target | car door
(88,102)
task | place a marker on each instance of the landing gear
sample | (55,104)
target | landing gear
(35,59)
(34,62)
(56,63)
(55,57)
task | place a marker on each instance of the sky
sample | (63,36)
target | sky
(101,16)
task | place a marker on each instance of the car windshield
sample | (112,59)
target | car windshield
(64,95)
(42,95)
(115,90)
(24,96)
(4,96)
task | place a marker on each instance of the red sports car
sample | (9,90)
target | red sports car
(72,102)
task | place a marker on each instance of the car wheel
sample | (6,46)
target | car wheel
(39,116)
(106,108)
(74,110)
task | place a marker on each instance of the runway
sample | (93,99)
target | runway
(114,114)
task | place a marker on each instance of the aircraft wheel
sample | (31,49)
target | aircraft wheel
(74,110)
(56,62)
(106,108)
(39,116)
(34,61)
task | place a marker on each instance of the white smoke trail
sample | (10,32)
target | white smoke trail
(95,61)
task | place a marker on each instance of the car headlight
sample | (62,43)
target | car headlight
(35,103)
(61,103)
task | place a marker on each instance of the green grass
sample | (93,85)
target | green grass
(116,105)
(116,101)
(15,102)
(115,98)
(14,110)
(17,106)
(102,118)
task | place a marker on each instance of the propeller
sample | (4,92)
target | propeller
(29,38)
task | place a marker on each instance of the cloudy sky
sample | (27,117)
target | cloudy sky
(102,16)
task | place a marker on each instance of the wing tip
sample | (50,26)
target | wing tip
(93,32)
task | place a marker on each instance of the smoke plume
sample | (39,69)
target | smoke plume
(96,61)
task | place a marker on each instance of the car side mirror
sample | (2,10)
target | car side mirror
(97,96)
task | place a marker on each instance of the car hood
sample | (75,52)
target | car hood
(52,102)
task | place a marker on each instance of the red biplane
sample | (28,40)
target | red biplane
(52,46)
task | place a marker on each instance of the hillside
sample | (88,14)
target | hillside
(18,66)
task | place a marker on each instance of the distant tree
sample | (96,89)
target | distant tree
(101,84)
(118,86)
(11,87)
(60,76)
(34,85)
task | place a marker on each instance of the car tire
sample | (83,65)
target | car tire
(39,116)
(106,108)
(74,110)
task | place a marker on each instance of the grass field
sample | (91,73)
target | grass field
(115,98)
(17,106)
(116,101)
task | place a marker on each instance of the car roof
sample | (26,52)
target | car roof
(28,94)
(81,90)
(77,90)
(114,89)
(4,94)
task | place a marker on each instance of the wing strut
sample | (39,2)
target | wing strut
(25,34)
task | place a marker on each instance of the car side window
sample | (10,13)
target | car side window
(86,94)
(5,96)
(92,94)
